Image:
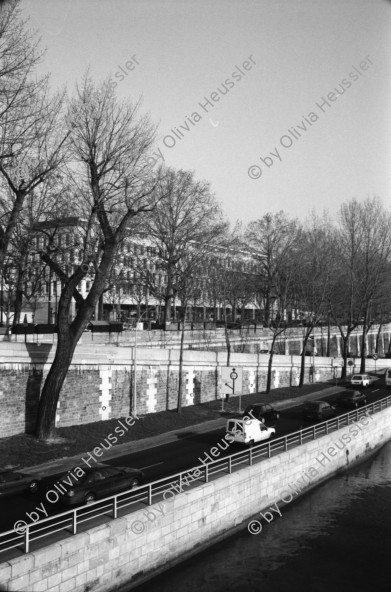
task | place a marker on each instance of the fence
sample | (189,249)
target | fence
(71,521)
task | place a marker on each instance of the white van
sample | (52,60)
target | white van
(248,431)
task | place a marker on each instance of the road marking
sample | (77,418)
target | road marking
(375,391)
(149,466)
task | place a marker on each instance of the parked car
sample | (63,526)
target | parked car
(13,482)
(362,380)
(262,411)
(248,431)
(97,482)
(318,410)
(352,399)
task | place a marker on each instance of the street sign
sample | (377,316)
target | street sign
(231,380)
(232,383)
(374,357)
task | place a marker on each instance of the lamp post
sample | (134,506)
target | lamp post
(135,365)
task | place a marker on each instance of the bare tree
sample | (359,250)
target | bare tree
(363,249)
(274,240)
(108,139)
(188,220)
(19,56)
(184,229)
(374,262)
(32,140)
(27,275)
(312,278)
(188,273)
(271,238)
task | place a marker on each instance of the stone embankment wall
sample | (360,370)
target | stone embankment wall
(112,554)
(99,384)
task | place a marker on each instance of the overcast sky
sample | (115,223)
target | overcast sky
(277,59)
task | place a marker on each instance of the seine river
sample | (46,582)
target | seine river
(336,538)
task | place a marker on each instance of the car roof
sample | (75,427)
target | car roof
(257,405)
(315,403)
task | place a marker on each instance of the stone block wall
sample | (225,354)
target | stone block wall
(20,386)
(100,383)
(113,555)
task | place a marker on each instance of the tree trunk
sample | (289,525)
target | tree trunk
(6,234)
(378,338)
(53,384)
(363,344)
(17,305)
(179,409)
(328,338)
(270,367)
(345,341)
(100,309)
(227,339)
(267,310)
(69,335)
(365,329)
(302,365)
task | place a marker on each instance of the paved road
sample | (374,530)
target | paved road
(179,455)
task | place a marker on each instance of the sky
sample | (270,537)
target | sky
(232,82)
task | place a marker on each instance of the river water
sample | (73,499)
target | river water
(336,538)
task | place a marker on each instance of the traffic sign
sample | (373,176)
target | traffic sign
(232,383)
(231,380)
(374,357)
(350,363)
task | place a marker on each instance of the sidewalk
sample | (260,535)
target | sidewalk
(286,401)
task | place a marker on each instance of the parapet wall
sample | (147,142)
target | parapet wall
(245,340)
(112,555)
(99,384)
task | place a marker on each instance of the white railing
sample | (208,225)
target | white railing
(72,520)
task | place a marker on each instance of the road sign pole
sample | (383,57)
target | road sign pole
(221,391)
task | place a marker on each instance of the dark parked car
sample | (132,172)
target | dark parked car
(98,482)
(12,482)
(262,412)
(318,410)
(352,399)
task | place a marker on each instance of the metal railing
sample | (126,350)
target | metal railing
(71,521)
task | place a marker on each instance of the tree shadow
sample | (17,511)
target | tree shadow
(39,355)
(33,391)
